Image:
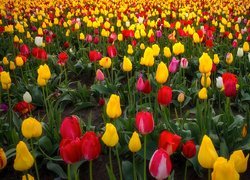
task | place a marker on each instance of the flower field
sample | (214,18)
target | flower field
(144,85)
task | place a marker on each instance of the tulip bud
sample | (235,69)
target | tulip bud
(167,52)
(147,87)
(71,150)
(24,160)
(110,136)
(245,46)
(5,80)
(113,109)
(144,122)
(31,128)
(229,58)
(140,84)
(160,164)
(219,82)
(239,160)
(244,130)
(173,66)
(130,49)
(156,50)
(164,95)
(126,65)
(148,58)
(134,144)
(70,128)
(3,159)
(181,97)
(5,61)
(161,75)
(184,63)
(99,75)
(205,63)
(189,149)
(105,62)
(38,41)
(207,154)
(27,97)
(216,59)
(240,52)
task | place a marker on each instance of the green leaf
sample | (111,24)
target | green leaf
(56,168)
(45,144)
(224,149)
(110,173)
(83,105)
(127,170)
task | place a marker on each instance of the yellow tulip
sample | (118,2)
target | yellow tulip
(130,49)
(31,128)
(148,58)
(167,52)
(181,97)
(3,159)
(110,136)
(205,63)
(19,61)
(142,46)
(5,61)
(178,48)
(156,50)
(203,93)
(12,65)
(126,65)
(239,160)
(44,72)
(229,58)
(224,169)
(207,154)
(41,81)
(82,37)
(24,160)
(77,26)
(16,39)
(105,62)
(120,37)
(134,144)
(208,81)
(24,177)
(113,109)
(40,31)
(244,131)
(245,46)
(5,80)
(216,59)
(161,75)
(196,38)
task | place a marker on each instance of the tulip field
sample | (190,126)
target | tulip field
(125,89)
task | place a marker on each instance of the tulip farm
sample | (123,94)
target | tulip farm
(125,89)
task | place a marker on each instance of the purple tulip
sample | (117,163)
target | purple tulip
(173,66)
(3,107)
(158,33)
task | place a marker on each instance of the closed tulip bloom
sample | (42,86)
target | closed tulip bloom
(70,128)
(189,149)
(246,46)
(144,122)
(205,63)
(196,38)
(41,81)
(127,64)
(24,160)
(111,50)
(44,72)
(3,159)
(240,52)
(38,41)
(31,128)
(229,58)
(174,65)
(160,165)
(181,97)
(216,59)
(164,95)
(230,84)
(27,97)
(219,82)
(239,160)
(203,93)
(99,75)
(178,48)
(94,56)
(134,144)
(5,61)
(169,141)
(130,49)
(167,52)
(71,150)
(19,61)
(105,62)
(147,87)
(184,63)
(161,75)
(12,65)
(205,82)
(156,50)
(224,169)
(24,177)
(5,80)
(24,50)
(82,36)
(91,147)
(140,84)
(113,109)
(62,58)
(110,136)
(148,58)
(207,154)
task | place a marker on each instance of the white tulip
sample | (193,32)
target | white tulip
(249,57)
(219,82)
(38,41)
(27,97)
(240,52)
(127,23)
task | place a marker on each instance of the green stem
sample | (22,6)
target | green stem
(76,174)
(119,164)
(110,159)
(68,172)
(44,99)
(209,174)
(90,170)
(144,156)
(33,152)
(134,168)
(185,174)
(26,176)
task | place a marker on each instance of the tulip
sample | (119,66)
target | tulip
(38,41)
(110,136)
(70,128)
(140,84)
(113,109)
(5,80)
(91,147)
(203,93)
(240,52)
(71,150)
(3,107)
(27,97)
(147,87)
(160,165)
(229,58)
(112,52)
(224,169)
(99,75)
(184,63)
(161,75)
(239,160)
(156,50)
(12,65)
(248,56)
(216,59)
(24,50)
(181,97)
(178,48)
(3,159)
(245,46)
(89,38)
(31,128)
(205,81)
(164,95)
(130,49)
(19,61)
(105,62)
(134,144)
(230,81)
(219,82)
(158,34)
(235,43)
(23,107)
(62,58)
(28,177)
(142,46)
(24,160)
(174,64)
(169,142)
(144,122)
(167,52)
(189,149)
(207,154)
(126,65)
(94,56)
(44,72)
(196,38)
(5,61)
(148,58)
(205,63)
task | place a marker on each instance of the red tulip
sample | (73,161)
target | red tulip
(66,44)
(48,39)
(160,164)
(128,33)
(23,107)
(147,87)
(144,122)
(229,82)
(169,142)
(91,146)
(152,39)
(35,52)
(42,55)
(96,40)
(94,56)
(164,95)
(62,58)
(24,50)
(111,50)
(189,149)
(70,150)
(70,128)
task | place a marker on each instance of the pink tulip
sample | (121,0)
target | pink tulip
(235,43)
(184,63)
(89,38)
(158,33)
(173,66)
(99,75)
(140,84)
